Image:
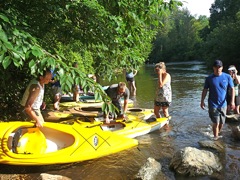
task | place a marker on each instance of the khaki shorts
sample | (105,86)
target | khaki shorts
(26,117)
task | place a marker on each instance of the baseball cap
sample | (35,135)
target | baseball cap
(218,63)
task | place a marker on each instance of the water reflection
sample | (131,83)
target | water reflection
(189,124)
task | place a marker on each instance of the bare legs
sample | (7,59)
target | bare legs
(157,111)
(57,92)
(57,99)
(76,93)
(132,88)
(237,109)
(216,129)
(165,113)
(76,96)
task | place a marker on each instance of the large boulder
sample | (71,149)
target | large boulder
(149,170)
(193,162)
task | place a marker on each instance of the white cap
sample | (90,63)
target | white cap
(231,68)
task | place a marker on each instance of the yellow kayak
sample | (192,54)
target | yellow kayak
(86,104)
(73,112)
(131,128)
(57,143)
(134,126)
(139,121)
(141,113)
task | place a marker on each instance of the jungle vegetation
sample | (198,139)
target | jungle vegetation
(105,36)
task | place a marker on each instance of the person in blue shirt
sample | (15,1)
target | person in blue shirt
(76,88)
(56,90)
(217,84)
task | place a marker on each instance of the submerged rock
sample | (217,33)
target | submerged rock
(45,176)
(149,170)
(216,145)
(193,162)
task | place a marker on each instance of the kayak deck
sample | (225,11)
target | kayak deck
(57,143)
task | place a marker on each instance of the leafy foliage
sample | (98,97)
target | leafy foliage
(179,39)
(222,41)
(103,36)
(22,56)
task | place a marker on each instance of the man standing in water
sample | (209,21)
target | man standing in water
(217,84)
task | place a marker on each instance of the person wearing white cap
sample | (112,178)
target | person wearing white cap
(236,81)
(217,85)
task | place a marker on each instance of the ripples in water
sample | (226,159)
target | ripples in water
(189,124)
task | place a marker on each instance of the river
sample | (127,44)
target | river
(189,124)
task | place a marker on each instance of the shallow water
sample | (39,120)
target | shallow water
(188,125)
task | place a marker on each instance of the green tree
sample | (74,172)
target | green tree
(180,38)
(223,11)
(222,39)
(223,43)
(102,35)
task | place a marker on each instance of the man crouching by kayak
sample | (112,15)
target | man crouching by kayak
(116,92)
(33,98)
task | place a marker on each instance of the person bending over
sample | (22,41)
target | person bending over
(116,92)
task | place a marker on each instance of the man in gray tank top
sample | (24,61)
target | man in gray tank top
(33,98)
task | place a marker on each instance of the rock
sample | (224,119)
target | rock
(216,145)
(236,132)
(193,162)
(45,176)
(149,170)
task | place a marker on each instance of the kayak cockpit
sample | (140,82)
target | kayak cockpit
(113,126)
(31,140)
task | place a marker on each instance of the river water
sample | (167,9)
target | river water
(189,124)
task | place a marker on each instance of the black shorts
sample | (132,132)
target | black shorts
(130,79)
(162,104)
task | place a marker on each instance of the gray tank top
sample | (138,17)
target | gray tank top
(39,99)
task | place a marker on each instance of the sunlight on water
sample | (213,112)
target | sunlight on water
(189,124)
